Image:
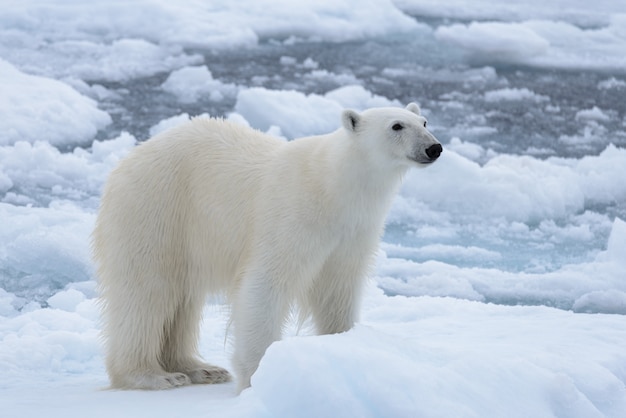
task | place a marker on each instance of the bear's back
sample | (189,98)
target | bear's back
(184,189)
(206,139)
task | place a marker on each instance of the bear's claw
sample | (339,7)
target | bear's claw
(177,379)
(210,375)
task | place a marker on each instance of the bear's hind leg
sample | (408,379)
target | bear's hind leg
(133,329)
(180,350)
(133,355)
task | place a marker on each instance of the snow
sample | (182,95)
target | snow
(542,43)
(499,287)
(191,83)
(569,287)
(147,36)
(40,173)
(169,123)
(611,83)
(514,94)
(53,104)
(410,356)
(434,362)
(45,249)
(593,114)
(265,108)
(66,300)
(514,41)
(582,13)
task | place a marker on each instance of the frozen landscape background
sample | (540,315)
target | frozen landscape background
(500,287)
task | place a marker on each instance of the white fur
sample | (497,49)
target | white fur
(215,207)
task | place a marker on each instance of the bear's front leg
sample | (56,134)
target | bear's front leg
(258,316)
(335,297)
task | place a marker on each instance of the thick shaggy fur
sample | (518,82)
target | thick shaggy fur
(215,207)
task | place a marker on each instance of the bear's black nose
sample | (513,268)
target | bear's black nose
(434,151)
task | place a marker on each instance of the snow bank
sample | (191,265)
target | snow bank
(514,94)
(579,12)
(190,84)
(264,108)
(50,340)
(507,186)
(410,356)
(433,357)
(122,60)
(542,43)
(503,41)
(38,173)
(326,20)
(40,109)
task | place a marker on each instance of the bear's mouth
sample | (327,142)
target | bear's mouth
(421,160)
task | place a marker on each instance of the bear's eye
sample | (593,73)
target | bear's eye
(397,127)
(424,124)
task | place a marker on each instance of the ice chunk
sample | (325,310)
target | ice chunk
(593,114)
(43,249)
(542,43)
(616,248)
(169,123)
(496,40)
(580,12)
(611,83)
(191,84)
(64,116)
(602,301)
(66,300)
(439,357)
(514,94)
(6,303)
(39,173)
(263,108)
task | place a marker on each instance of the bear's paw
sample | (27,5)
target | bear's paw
(156,381)
(209,375)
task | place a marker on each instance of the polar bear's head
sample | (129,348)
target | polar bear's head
(393,135)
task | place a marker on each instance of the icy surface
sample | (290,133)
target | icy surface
(40,109)
(432,361)
(500,286)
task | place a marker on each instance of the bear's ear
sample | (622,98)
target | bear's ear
(350,120)
(413,107)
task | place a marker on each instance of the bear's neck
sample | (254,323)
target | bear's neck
(354,178)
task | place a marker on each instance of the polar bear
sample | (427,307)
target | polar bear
(213,207)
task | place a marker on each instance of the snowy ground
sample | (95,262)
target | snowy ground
(500,287)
